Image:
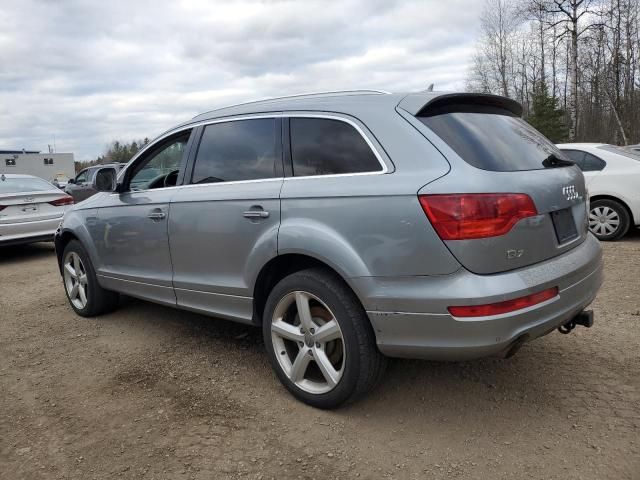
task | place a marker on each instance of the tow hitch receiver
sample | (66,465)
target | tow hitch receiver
(584,318)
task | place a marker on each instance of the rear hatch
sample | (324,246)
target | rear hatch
(511,199)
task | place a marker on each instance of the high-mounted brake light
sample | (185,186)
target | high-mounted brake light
(66,200)
(504,307)
(463,216)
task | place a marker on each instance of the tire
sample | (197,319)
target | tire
(94,300)
(608,220)
(339,333)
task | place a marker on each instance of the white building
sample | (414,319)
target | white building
(43,165)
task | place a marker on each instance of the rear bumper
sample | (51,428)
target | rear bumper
(28,232)
(410,317)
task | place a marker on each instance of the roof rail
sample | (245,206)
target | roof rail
(301,95)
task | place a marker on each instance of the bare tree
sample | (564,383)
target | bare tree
(585,55)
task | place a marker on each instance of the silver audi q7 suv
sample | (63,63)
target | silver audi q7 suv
(350,226)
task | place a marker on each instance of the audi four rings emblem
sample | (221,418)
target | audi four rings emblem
(570,192)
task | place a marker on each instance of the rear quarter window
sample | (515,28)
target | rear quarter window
(492,140)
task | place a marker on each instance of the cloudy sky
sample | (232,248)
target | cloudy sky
(89,72)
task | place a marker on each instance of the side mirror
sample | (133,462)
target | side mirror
(105,180)
(71,180)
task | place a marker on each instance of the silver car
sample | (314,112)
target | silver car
(30,209)
(351,227)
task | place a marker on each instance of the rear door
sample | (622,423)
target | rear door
(492,150)
(224,222)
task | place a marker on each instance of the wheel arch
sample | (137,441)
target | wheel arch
(61,240)
(281,266)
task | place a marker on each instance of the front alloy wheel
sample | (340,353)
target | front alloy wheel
(75,280)
(86,296)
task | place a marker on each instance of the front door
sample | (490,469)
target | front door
(224,222)
(131,230)
(81,188)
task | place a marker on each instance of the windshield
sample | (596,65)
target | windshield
(621,151)
(496,142)
(23,184)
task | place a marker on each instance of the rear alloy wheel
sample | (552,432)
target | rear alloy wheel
(307,335)
(608,219)
(319,339)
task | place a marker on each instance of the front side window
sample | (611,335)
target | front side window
(238,150)
(159,167)
(322,146)
(82,177)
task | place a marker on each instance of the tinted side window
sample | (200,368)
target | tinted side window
(575,156)
(592,163)
(238,150)
(321,146)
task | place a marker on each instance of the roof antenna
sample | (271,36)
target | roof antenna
(429,88)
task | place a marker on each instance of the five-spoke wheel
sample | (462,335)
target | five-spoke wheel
(309,343)
(85,294)
(319,339)
(75,280)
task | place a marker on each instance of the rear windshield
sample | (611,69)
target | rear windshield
(621,151)
(495,141)
(18,185)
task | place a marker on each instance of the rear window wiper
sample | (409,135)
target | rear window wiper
(553,161)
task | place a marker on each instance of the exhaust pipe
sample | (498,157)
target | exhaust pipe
(584,318)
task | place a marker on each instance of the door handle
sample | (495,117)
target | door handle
(255,214)
(157,215)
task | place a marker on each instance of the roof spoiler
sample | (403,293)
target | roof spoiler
(427,103)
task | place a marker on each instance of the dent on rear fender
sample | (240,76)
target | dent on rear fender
(307,237)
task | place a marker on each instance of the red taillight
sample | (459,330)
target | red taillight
(463,216)
(66,200)
(504,307)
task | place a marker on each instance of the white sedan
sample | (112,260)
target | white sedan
(612,175)
(30,209)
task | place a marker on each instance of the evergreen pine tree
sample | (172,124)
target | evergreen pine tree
(547,117)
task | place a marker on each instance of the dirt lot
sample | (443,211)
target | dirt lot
(150,392)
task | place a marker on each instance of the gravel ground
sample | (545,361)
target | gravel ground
(150,392)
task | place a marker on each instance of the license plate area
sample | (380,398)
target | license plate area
(564,225)
(30,208)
